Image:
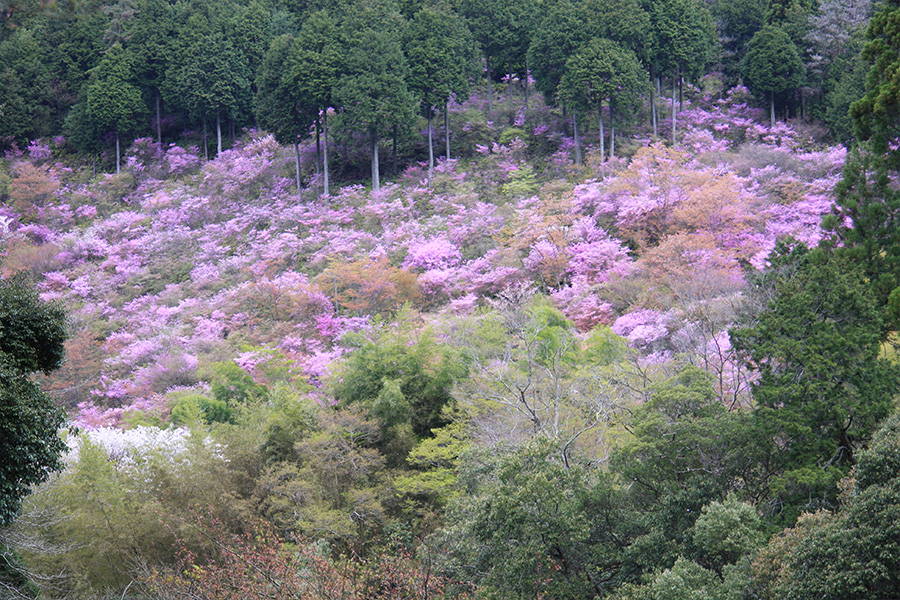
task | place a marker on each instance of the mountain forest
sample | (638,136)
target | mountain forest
(449,299)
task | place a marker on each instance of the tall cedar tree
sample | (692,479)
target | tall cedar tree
(114,103)
(439,48)
(372,91)
(822,387)
(772,65)
(603,71)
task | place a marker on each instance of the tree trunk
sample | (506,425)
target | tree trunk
(612,130)
(118,154)
(490,88)
(509,88)
(218,133)
(653,104)
(447,128)
(578,160)
(297,163)
(318,145)
(772,108)
(674,91)
(430,147)
(376,181)
(158,121)
(602,133)
(325,152)
(526,88)
(205,142)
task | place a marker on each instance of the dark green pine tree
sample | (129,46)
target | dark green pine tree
(865,220)
(877,114)
(557,38)
(603,71)
(772,65)
(152,31)
(501,29)
(114,103)
(279,105)
(823,387)
(682,35)
(372,91)
(314,70)
(209,75)
(25,98)
(440,51)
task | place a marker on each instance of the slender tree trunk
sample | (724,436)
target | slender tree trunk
(602,133)
(205,142)
(578,160)
(526,88)
(158,121)
(118,154)
(318,146)
(447,128)
(612,130)
(430,147)
(232,126)
(772,108)
(509,88)
(490,88)
(653,103)
(297,163)
(674,93)
(218,133)
(376,181)
(325,152)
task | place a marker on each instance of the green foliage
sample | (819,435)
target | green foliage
(878,112)
(867,198)
(24,89)
(772,65)
(822,387)
(603,71)
(687,451)
(116,507)
(32,334)
(232,385)
(726,532)
(683,34)
(440,51)
(333,487)
(192,409)
(403,379)
(114,103)
(373,89)
(532,524)
(851,554)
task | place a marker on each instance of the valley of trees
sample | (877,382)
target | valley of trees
(488,299)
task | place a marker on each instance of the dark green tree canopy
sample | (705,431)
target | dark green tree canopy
(440,51)
(603,71)
(32,334)
(114,103)
(877,114)
(822,387)
(772,64)
(682,36)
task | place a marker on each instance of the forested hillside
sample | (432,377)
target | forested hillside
(477,299)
